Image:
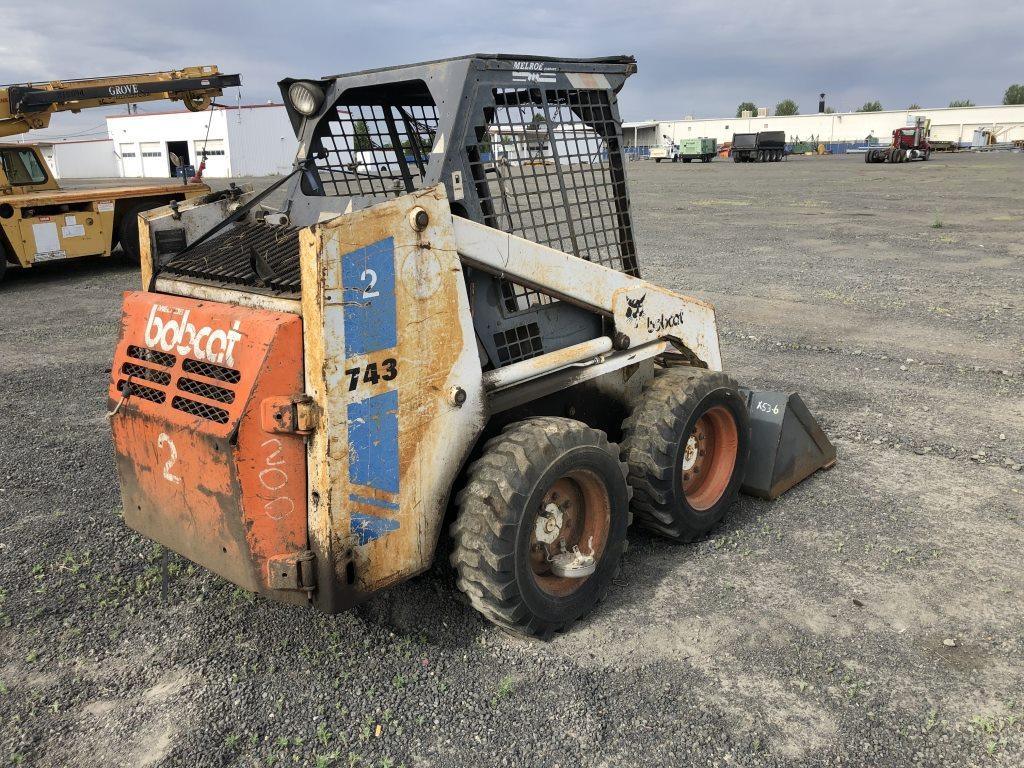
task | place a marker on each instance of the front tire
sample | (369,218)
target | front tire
(686,446)
(543,486)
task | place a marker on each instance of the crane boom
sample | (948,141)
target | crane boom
(29,106)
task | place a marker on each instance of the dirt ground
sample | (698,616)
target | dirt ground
(870,617)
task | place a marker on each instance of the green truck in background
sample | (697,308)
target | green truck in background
(697,149)
(686,150)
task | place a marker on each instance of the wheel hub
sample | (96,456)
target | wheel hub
(690,453)
(569,532)
(709,456)
(549,523)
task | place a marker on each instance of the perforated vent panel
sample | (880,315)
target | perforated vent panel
(519,343)
(202,410)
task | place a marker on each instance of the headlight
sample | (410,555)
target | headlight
(306,98)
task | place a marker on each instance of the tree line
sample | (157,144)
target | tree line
(1014,95)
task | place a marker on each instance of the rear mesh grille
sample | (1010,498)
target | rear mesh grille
(202,410)
(207,383)
(211,371)
(142,372)
(209,391)
(252,254)
(138,390)
(151,356)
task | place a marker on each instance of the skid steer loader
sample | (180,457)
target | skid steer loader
(446,312)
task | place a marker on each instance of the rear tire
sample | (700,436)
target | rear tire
(543,477)
(657,159)
(3,262)
(682,490)
(128,233)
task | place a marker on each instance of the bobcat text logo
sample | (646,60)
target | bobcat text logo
(123,90)
(635,309)
(664,322)
(177,334)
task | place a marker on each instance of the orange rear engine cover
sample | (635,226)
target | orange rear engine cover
(208,465)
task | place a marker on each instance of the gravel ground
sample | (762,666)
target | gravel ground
(872,616)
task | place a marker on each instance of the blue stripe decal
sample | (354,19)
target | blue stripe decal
(371,527)
(373,442)
(368,276)
(373,502)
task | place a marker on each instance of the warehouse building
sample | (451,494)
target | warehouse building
(238,141)
(955,124)
(84,159)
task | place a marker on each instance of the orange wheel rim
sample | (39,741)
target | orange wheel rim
(709,458)
(575,511)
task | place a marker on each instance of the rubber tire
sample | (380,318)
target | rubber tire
(735,158)
(654,436)
(3,262)
(657,159)
(492,530)
(869,156)
(128,232)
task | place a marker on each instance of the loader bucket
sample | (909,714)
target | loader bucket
(786,444)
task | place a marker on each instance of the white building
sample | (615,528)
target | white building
(87,159)
(239,141)
(948,124)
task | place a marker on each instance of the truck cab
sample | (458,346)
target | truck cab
(22,169)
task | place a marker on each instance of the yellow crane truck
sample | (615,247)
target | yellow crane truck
(39,221)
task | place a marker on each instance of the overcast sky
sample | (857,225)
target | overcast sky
(695,58)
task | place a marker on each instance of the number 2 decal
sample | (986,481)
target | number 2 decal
(162,441)
(371,276)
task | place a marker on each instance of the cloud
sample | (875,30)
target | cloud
(699,58)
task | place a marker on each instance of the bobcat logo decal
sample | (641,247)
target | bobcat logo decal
(635,309)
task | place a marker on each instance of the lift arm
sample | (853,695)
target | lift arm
(29,106)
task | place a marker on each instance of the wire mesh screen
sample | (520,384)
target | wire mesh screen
(548,167)
(375,149)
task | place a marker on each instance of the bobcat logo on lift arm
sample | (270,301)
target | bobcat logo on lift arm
(635,309)
(177,334)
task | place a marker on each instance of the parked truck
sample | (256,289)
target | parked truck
(702,149)
(762,147)
(39,221)
(668,150)
(687,150)
(911,143)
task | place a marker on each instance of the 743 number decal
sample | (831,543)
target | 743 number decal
(387,371)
